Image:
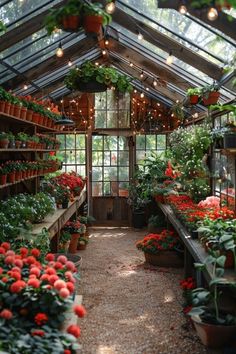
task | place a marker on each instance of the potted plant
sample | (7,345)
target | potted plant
(214,327)
(161,249)
(64,241)
(4,140)
(23,138)
(157,222)
(82,243)
(91,78)
(62,195)
(210,94)
(194,94)
(75,228)
(94,17)
(3,174)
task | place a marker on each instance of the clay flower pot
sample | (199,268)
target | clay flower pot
(71,23)
(73,243)
(212,98)
(2,106)
(92,24)
(3,180)
(12,177)
(4,143)
(193,99)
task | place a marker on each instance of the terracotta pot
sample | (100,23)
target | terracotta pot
(92,24)
(4,143)
(18,144)
(12,108)
(164,259)
(23,113)
(7,108)
(213,336)
(40,120)
(18,176)
(12,177)
(29,115)
(193,99)
(17,111)
(2,106)
(3,180)
(81,247)
(212,98)
(71,23)
(35,118)
(73,243)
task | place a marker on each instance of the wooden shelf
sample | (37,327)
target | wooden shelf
(17,182)
(54,223)
(27,150)
(193,246)
(7,117)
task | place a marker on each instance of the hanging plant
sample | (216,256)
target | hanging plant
(76,14)
(2,27)
(92,78)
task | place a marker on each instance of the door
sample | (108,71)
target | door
(110,179)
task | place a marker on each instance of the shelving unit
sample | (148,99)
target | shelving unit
(193,249)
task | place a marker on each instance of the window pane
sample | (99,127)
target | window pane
(161,141)
(80,141)
(114,158)
(140,156)
(97,143)
(124,119)
(97,174)
(124,174)
(70,141)
(97,189)
(110,143)
(100,119)
(107,188)
(151,142)
(97,158)
(107,158)
(80,157)
(100,100)
(61,138)
(140,142)
(124,158)
(81,170)
(110,173)
(112,119)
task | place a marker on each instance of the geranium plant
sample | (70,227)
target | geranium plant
(155,243)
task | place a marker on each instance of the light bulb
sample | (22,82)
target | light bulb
(25,86)
(147,88)
(59,51)
(142,95)
(154,83)
(212,14)
(140,36)
(141,75)
(131,64)
(69,63)
(169,59)
(104,52)
(183,9)
(110,7)
(96,63)
(106,42)
(135,91)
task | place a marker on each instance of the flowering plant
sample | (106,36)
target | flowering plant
(154,243)
(74,227)
(187,285)
(36,295)
(71,180)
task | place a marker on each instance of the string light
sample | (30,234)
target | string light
(131,64)
(110,7)
(141,75)
(135,91)
(212,14)
(140,36)
(183,9)
(25,86)
(106,42)
(142,95)
(96,63)
(59,51)
(104,52)
(69,62)
(154,83)
(169,59)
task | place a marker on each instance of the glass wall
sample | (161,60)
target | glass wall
(145,144)
(73,152)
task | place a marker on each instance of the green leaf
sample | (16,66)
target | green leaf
(218,281)
(199,266)
(196,311)
(221,261)
(219,272)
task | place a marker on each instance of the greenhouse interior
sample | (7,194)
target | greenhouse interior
(117,177)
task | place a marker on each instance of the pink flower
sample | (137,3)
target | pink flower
(38,332)
(70,266)
(62,259)
(36,271)
(6,245)
(17,286)
(50,257)
(70,286)
(50,271)
(59,284)
(9,260)
(2,250)
(64,292)
(35,252)
(53,278)
(35,283)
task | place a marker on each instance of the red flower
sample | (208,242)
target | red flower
(2,250)
(7,314)
(6,245)
(40,319)
(74,330)
(64,292)
(35,283)
(23,251)
(67,351)
(38,332)
(50,257)
(17,286)
(79,310)
(35,252)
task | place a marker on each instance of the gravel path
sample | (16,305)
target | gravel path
(132,308)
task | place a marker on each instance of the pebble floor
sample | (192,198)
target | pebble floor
(132,308)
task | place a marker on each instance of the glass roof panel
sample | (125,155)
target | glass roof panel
(16,12)
(186,31)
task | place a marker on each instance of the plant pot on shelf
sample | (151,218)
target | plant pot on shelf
(193,99)
(164,259)
(29,115)
(71,23)
(7,108)
(23,113)
(211,98)
(213,335)
(12,108)
(2,106)
(4,143)
(12,177)
(65,204)
(92,23)
(230,140)
(3,180)
(17,111)
(73,243)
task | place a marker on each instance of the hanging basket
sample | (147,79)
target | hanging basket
(211,98)
(193,99)
(71,23)
(91,86)
(92,24)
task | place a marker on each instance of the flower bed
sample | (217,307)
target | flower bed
(34,297)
